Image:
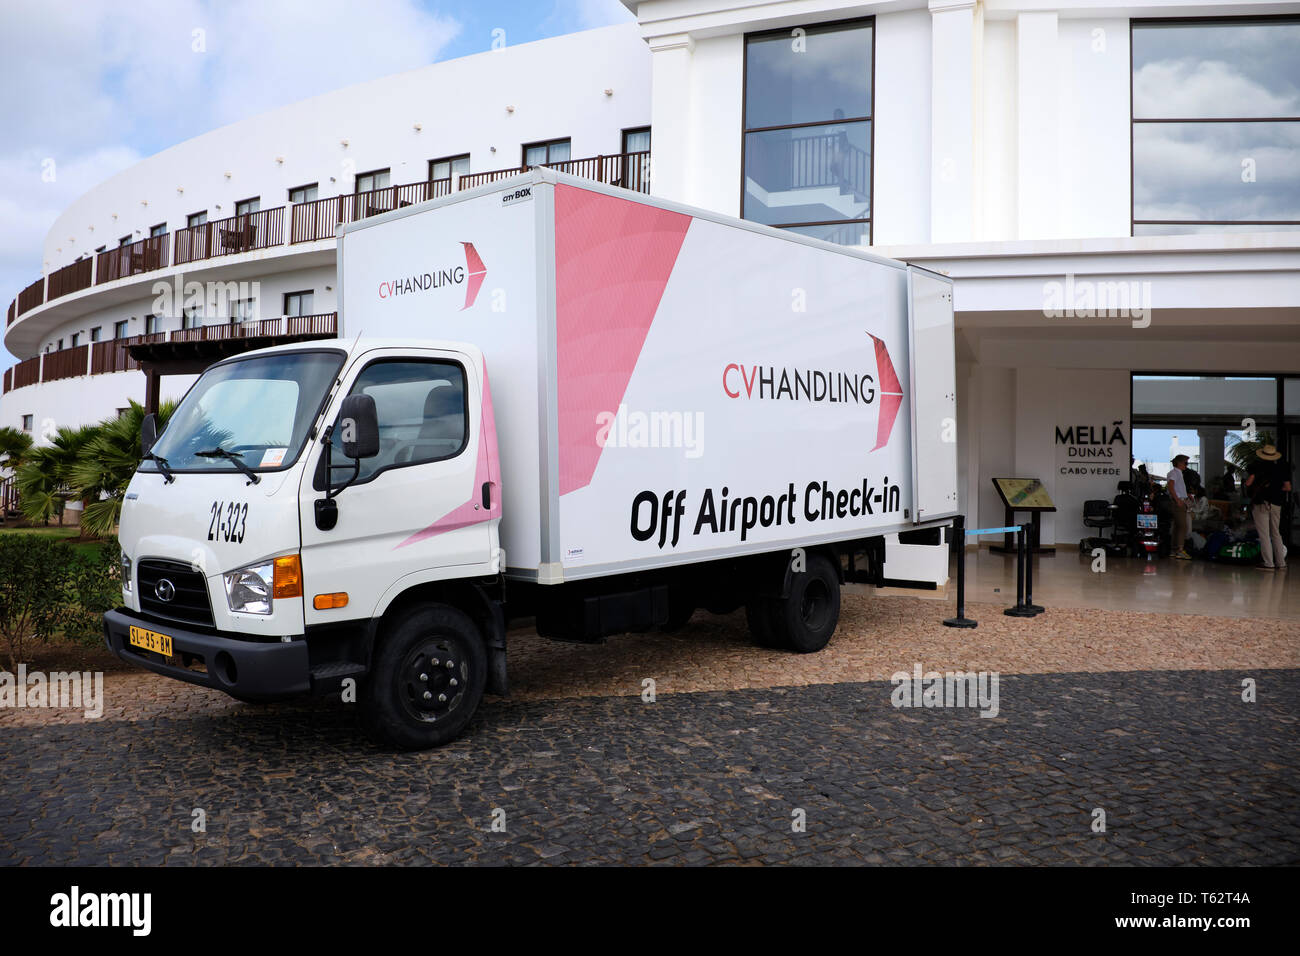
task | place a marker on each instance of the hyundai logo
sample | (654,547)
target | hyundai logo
(165,590)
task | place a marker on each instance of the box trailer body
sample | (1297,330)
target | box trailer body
(760,388)
(550,399)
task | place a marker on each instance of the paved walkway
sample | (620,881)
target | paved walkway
(1184,770)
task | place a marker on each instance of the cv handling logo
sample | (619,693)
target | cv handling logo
(818,386)
(470,275)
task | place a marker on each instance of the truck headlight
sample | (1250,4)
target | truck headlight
(253,590)
(248,590)
(126,573)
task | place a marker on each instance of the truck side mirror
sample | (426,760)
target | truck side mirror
(148,433)
(359,427)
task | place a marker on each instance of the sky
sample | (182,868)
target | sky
(90,87)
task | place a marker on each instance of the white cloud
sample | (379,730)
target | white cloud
(95,85)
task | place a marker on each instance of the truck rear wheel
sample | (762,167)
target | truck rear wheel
(426,681)
(805,620)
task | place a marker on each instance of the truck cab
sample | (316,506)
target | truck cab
(299,498)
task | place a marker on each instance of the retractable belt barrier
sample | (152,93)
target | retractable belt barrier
(1024,606)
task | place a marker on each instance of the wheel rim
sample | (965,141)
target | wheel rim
(433,679)
(815,605)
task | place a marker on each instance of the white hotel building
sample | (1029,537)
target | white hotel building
(1115,188)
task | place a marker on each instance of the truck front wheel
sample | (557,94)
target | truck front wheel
(426,679)
(805,620)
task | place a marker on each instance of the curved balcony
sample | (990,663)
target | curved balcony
(264,233)
(100,358)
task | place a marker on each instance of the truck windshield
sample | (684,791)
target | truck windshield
(258,409)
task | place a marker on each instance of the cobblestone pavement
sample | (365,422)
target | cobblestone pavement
(1184,770)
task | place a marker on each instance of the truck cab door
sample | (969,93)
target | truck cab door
(427,506)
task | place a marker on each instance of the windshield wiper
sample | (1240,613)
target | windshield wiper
(161,462)
(234,458)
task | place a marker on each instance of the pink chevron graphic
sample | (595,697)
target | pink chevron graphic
(612,262)
(891,393)
(475,273)
(485,472)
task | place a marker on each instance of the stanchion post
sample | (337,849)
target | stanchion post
(959,532)
(1019,610)
(1030,606)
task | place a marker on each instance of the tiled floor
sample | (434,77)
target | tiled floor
(1066,579)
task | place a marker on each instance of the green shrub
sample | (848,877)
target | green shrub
(47,588)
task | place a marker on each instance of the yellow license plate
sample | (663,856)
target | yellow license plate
(151,641)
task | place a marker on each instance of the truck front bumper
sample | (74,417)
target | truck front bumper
(239,667)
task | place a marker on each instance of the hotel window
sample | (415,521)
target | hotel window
(298,303)
(242,310)
(119,329)
(450,167)
(636,140)
(636,168)
(124,241)
(196,219)
(808,97)
(59,347)
(150,324)
(1216,125)
(95,333)
(375,179)
(76,339)
(304,193)
(27,423)
(158,230)
(190,318)
(551,151)
(246,206)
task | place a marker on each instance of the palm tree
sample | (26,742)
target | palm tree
(1243,452)
(14,445)
(42,478)
(105,466)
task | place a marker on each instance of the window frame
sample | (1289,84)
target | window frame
(254,200)
(870,221)
(284,303)
(125,326)
(190,217)
(305,186)
(320,476)
(356,180)
(95,333)
(455,180)
(1133,121)
(157,231)
(631,130)
(548,143)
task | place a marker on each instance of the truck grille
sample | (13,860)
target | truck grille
(188,593)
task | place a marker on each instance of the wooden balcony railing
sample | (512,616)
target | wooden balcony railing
(27,372)
(325,323)
(10,320)
(9,495)
(71,278)
(224,237)
(628,170)
(321,218)
(65,363)
(146,255)
(114,355)
(9,379)
(31,297)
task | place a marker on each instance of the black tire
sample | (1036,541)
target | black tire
(805,621)
(758,615)
(398,708)
(680,612)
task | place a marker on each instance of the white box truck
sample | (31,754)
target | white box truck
(550,399)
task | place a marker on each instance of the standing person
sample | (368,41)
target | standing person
(1177,489)
(1268,482)
(1229,481)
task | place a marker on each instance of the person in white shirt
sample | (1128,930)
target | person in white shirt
(1177,489)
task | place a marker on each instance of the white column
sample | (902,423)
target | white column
(952,118)
(671,146)
(1038,120)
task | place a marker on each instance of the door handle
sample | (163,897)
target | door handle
(487,495)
